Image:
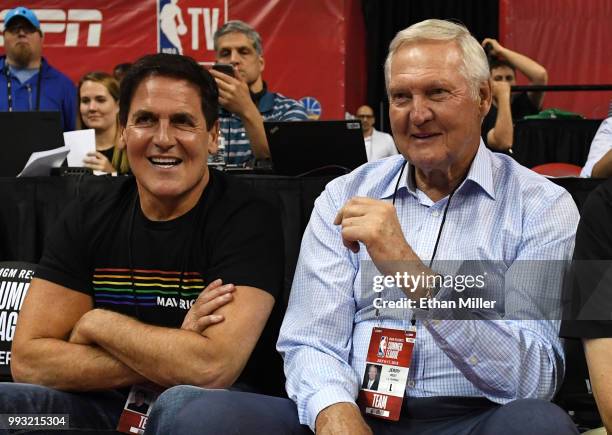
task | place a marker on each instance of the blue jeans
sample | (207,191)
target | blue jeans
(188,410)
(92,412)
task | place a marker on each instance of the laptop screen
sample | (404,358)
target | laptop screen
(24,133)
(300,148)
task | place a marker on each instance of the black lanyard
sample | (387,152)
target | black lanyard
(9,86)
(443,215)
(413,320)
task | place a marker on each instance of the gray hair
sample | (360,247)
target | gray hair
(237,26)
(475,67)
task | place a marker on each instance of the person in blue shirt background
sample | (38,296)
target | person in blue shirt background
(27,81)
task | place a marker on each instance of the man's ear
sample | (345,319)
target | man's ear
(262,62)
(213,138)
(122,139)
(485,96)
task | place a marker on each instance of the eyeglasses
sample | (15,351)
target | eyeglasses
(16,28)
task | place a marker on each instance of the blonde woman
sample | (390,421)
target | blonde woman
(98,94)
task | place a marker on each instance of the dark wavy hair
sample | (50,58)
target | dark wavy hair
(175,66)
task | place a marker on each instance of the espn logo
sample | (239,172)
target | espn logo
(68,21)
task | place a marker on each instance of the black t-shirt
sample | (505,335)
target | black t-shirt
(520,106)
(108,153)
(105,247)
(589,293)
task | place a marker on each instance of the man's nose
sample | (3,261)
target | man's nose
(163,137)
(420,112)
(234,57)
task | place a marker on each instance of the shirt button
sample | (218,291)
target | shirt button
(473,360)
(435,213)
(410,383)
(435,322)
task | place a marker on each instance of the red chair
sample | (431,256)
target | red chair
(558,170)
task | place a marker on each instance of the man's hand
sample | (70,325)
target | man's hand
(496,47)
(200,316)
(341,419)
(374,223)
(234,95)
(501,91)
(98,162)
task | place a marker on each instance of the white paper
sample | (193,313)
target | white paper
(40,163)
(80,143)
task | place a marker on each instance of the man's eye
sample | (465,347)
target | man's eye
(399,99)
(185,126)
(143,120)
(438,93)
(223,53)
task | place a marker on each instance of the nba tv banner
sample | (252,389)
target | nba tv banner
(304,42)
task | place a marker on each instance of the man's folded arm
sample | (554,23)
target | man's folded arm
(122,351)
(167,356)
(41,353)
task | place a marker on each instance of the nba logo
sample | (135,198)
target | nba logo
(187,27)
(382,346)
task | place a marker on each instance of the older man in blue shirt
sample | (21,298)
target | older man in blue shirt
(447,197)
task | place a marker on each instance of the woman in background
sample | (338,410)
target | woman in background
(99,109)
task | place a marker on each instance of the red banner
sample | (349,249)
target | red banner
(304,42)
(580,53)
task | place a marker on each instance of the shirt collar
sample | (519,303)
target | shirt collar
(266,102)
(480,174)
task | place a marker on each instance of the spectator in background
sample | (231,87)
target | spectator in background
(99,109)
(27,81)
(120,70)
(245,99)
(378,144)
(497,128)
(599,161)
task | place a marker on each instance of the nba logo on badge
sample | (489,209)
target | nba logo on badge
(382,346)
(187,27)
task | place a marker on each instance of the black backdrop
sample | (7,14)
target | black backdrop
(384,18)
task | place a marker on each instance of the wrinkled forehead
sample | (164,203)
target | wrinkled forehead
(427,63)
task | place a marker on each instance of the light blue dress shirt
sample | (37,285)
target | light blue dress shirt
(502,212)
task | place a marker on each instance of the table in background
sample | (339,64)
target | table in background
(539,141)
